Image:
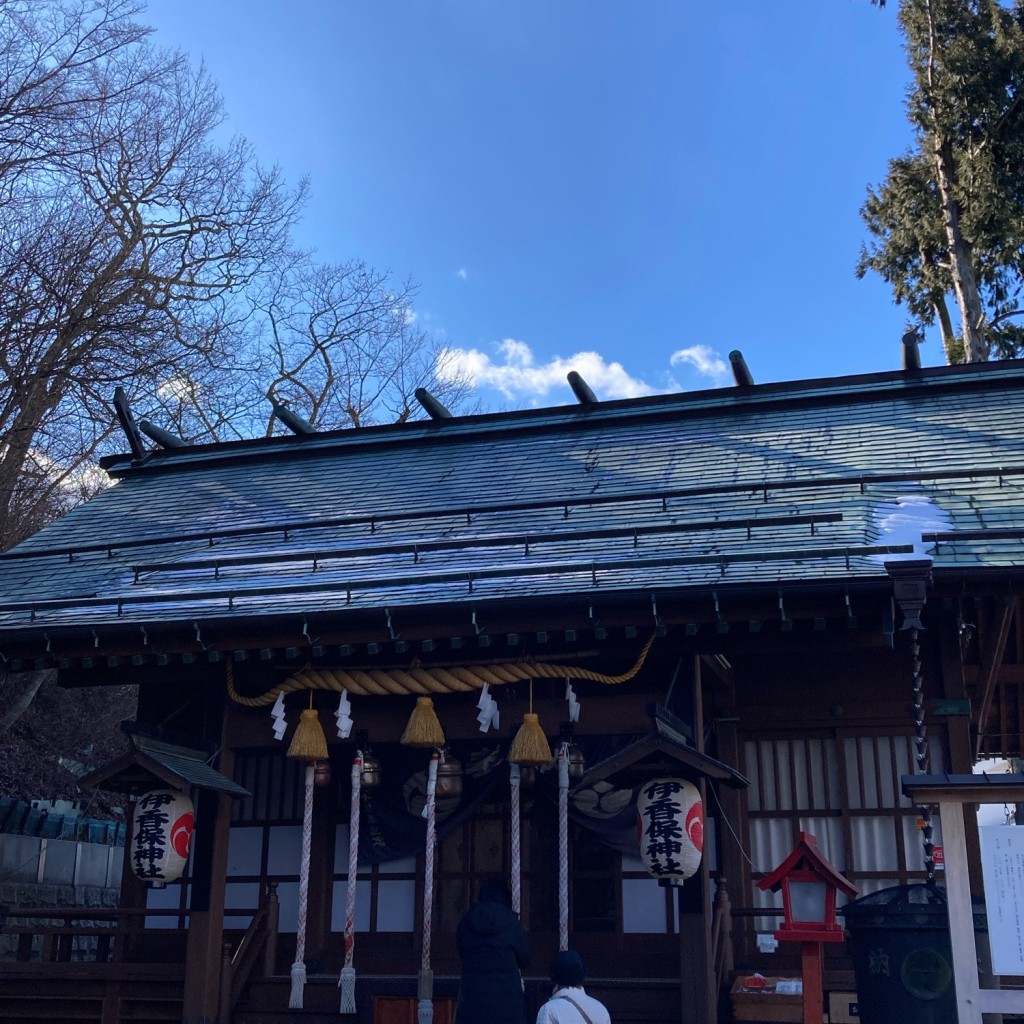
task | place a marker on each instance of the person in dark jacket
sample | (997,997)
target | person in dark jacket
(495,949)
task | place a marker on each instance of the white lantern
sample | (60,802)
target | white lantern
(670,828)
(162,823)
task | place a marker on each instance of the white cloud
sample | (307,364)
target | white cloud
(516,375)
(176,388)
(704,359)
(462,272)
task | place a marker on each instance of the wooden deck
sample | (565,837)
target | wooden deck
(153,994)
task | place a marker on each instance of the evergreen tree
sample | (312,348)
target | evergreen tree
(949,218)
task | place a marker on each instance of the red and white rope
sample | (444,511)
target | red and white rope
(563,846)
(298,972)
(347,979)
(515,775)
(425,1013)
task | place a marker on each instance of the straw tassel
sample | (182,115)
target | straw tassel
(309,742)
(530,747)
(424,728)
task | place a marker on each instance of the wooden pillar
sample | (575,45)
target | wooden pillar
(696,968)
(205,938)
(732,837)
(133,897)
(961,916)
(810,961)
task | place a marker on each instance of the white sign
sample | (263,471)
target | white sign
(1002,868)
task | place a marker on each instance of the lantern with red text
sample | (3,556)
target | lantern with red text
(162,823)
(670,828)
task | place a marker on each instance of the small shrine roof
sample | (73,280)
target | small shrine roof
(153,761)
(664,750)
(807,854)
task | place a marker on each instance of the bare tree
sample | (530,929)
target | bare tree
(127,237)
(139,248)
(344,346)
(47,82)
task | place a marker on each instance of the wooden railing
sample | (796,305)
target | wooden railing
(62,944)
(260,937)
(53,934)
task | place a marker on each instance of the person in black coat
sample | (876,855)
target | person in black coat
(494,949)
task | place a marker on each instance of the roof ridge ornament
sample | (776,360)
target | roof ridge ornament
(128,424)
(581,389)
(911,349)
(744,378)
(433,406)
(292,420)
(164,438)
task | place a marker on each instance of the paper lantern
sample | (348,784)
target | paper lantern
(161,835)
(670,828)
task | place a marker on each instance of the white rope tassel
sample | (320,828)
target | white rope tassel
(298,985)
(563,847)
(425,1009)
(515,776)
(347,978)
(299,967)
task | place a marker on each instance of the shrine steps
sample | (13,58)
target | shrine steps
(33,998)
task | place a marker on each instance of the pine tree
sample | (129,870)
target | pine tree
(949,218)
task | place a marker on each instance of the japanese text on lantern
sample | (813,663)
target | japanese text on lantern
(151,834)
(670,828)
(664,830)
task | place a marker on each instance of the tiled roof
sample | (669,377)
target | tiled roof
(754,486)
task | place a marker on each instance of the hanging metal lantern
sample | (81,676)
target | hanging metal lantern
(670,829)
(321,773)
(161,835)
(449,777)
(371,771)
(577,764)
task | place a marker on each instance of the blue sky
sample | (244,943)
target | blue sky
(630,189)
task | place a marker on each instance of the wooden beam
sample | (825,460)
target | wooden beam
(959,789)
(958,728)
(205,936)
(991,660)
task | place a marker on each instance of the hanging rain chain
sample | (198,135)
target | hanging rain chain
(921,749)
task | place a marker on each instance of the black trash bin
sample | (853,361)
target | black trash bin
(902,957)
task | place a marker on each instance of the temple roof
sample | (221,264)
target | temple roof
(762,486)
